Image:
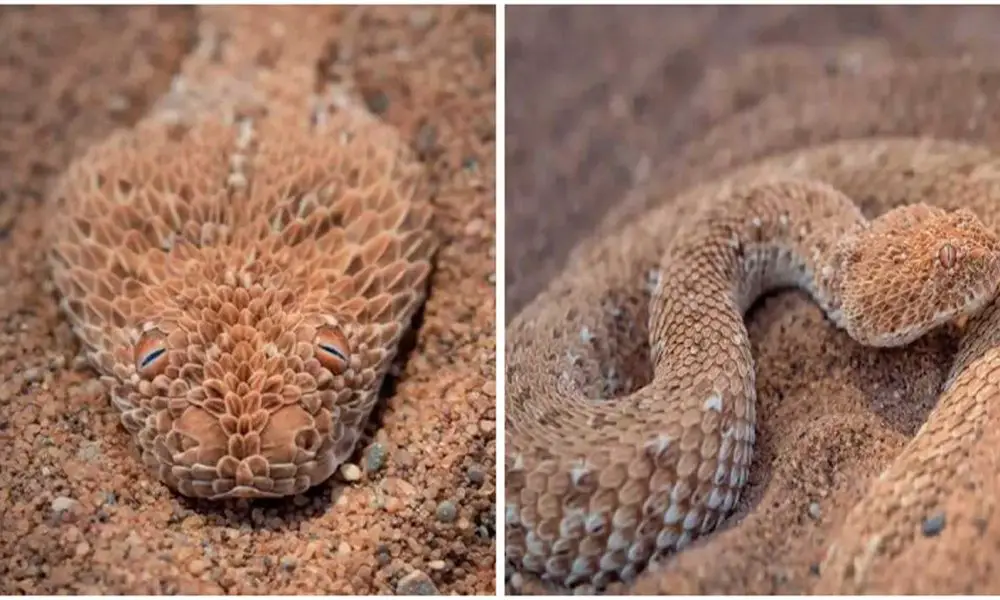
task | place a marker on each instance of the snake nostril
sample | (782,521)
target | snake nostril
(307,439)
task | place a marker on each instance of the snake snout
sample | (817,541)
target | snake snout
(261,454)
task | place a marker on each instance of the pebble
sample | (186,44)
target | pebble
(193,522)
(382,554)
(400,488)
(814,510)
(198,566)
(476,474)
(374,457)
(393,505)
(350,472)
(416,583)
(33,375)
(403,458)
(63,504)
(446,511)
(436,565)
(288,562)
(89,452)
(377,102)
(934,525)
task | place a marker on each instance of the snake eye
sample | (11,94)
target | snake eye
(332,349)
(151,354)
(946,256)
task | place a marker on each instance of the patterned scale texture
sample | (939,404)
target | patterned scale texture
(242,288)
(631,392)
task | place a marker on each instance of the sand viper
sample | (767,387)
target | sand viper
(630,381)
(241,264)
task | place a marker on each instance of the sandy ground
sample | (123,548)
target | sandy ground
(78,514)
(600,110)
(593,110)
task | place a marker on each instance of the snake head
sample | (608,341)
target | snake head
(245,380)
(914,269)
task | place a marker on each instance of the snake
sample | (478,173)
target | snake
(240,265)
(630,385)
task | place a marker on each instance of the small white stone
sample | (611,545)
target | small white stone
(350,472)
(63,504)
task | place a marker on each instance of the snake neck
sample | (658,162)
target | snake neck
(251,64)
(754,240)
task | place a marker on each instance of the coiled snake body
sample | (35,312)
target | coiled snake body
(599,483)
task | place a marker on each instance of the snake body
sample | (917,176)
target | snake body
(630,389)
(241,264)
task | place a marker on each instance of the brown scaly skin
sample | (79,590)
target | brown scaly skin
(596,489)
(242,285)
